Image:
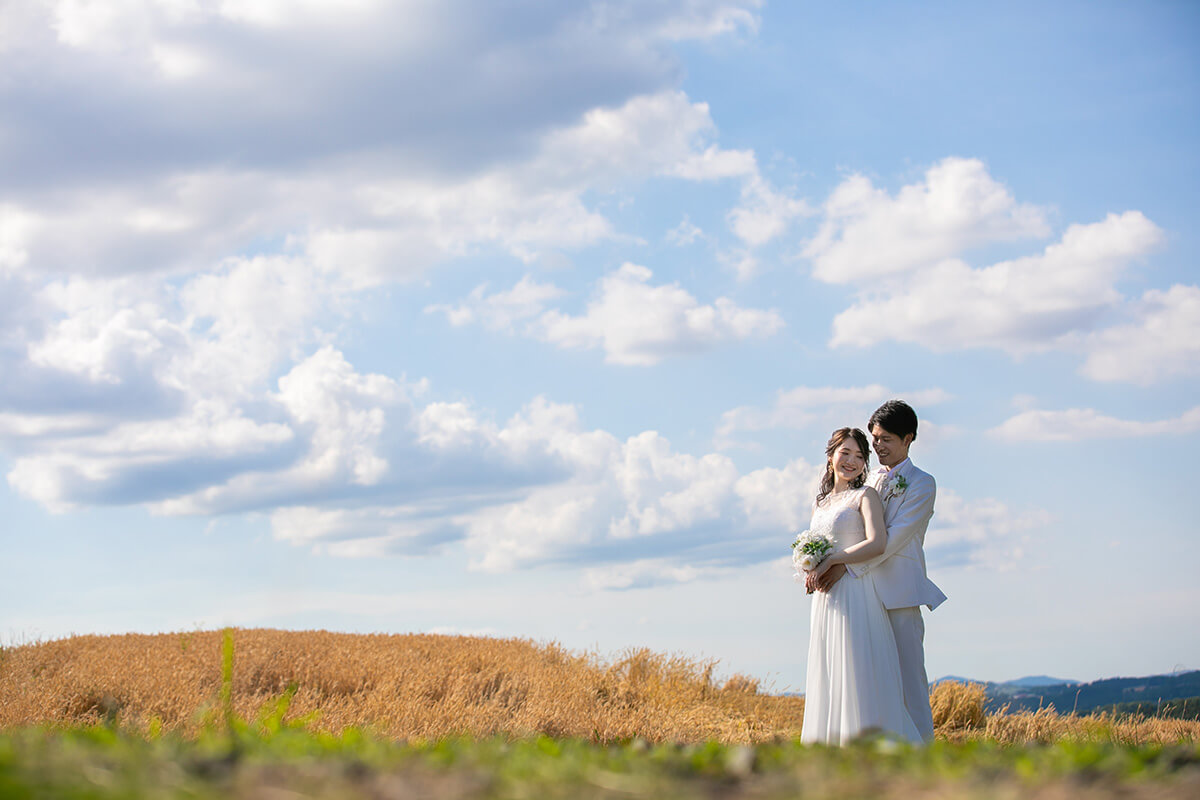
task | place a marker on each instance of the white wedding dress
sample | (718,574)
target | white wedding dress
(853,681)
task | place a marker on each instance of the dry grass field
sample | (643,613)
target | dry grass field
(429,687)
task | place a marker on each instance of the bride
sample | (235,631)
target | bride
(853,681)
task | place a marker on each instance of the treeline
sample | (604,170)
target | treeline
(1084,698)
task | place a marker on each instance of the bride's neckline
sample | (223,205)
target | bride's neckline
(832,496)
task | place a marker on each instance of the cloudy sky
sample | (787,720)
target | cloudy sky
(532,318)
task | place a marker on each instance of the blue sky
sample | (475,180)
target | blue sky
(533,321)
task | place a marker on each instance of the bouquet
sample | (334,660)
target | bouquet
(809,550)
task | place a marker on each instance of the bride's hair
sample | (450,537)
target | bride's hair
(835,441)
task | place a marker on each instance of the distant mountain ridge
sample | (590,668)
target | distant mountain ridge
(1029,681)
(1040,680)
(1036,691)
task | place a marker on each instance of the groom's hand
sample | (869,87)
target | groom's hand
(826,580)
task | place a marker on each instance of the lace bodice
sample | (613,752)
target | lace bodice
(839,515)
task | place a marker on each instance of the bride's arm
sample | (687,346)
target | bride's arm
(876,542)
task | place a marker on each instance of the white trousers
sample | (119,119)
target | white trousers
(909,630)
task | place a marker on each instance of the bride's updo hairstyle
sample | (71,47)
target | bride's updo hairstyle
(835,441)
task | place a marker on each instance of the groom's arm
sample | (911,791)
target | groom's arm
(916,509)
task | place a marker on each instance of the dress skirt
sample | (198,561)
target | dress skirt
(853,685)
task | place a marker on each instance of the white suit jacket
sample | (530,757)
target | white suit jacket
(900,576)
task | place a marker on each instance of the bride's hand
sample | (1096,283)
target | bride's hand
(810,582)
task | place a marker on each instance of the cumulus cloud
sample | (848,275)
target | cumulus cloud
(612,503)
(980,533)
(354,465)
(534,108)
(634,322)
(640,324)
(779,499)
(1161,340)
(678,515)
(192,271)
(828,406)
(143,462)
(765,212)
(500,310)
(1020,306)
(1077,424)
(362,532)
(868,234)
(368,215)
(903,254)
(189,78)
(172,287)
(218,334)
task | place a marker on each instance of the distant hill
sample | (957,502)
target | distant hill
(1026,682)
(1040,680)
(1033,692)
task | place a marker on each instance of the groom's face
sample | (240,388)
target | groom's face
(890,448)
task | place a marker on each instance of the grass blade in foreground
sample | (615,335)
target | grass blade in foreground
(101,763)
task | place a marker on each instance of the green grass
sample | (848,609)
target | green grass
(255,761)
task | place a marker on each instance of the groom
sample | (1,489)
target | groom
(900,578)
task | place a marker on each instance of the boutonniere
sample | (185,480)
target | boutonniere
(895,486)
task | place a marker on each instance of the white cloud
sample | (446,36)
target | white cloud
(255,313)
(220,334)
(349,465)
(15,426)
(779,499)
(654,134)
(639,324)
(903,253)
(344,411)
(634,322)
(1161,341)
(645,573)
(764,213)
(706,20)
(1077,424)
(501,310)
(616,493)
(105,331)
(361,532)
(684,233)
(142,461)
(368,216)
(281,13)
(982,532)
(1025,305)
(500,155)
(14,231)
(715,163)
(669,491)
(867,234)
(828,406)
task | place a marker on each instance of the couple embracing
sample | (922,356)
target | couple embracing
(866,654)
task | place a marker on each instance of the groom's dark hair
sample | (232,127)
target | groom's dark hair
(895,416)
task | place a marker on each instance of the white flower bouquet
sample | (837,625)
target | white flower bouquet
(809,550)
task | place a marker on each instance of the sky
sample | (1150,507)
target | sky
(532,319)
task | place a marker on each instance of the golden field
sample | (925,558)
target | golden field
(423,686)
